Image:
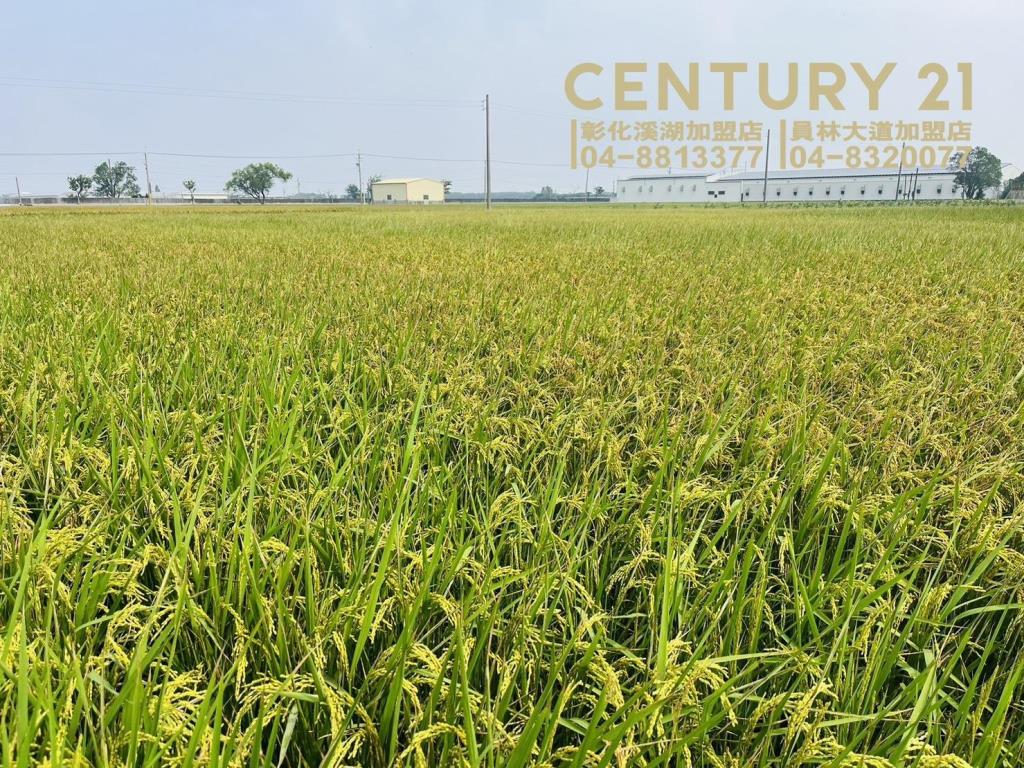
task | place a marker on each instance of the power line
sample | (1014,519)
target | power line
(271,156)
(526,163)
(253,155)
(138,88)
(33,173)
(533,112)
(66,154)
(425,159)
(153,89)
(173,90)
(142,89)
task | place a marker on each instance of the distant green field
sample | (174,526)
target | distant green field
(560,487)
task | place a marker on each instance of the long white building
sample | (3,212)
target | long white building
(803,186)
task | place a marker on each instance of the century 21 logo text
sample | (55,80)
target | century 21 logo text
(825,83)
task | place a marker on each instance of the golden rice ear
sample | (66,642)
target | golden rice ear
(550,486)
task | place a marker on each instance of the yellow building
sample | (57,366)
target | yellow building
(408,191)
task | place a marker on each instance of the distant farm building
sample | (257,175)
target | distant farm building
(803,186)
(201,197)
(408,191)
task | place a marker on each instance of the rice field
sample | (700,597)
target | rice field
(540,487)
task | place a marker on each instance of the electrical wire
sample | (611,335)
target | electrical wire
(270,156)
(148,89)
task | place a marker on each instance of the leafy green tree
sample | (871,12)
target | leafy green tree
(190,187)
(115,180)
(256,180)
(598,191)
(979,171)
(447,184)
(352,190)
(80,185)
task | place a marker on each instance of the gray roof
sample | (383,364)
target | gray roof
(830,173)
(667,176)
(404,181)
(806,173)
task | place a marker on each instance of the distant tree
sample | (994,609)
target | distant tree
(352,190)
(256,180)
(369,187)
(114,181)
(447,184)
(980,170)
(547,191)
(190,187)
(598,191)
(80,185)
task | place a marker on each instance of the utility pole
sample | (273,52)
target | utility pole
(359,168)
(18,185)
(487,150)
(767,149)
(899,172)
(149,187)
(586,189)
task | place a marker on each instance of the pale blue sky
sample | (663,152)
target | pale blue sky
(406,79)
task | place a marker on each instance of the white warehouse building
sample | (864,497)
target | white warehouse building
(801,186)
(407,191)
